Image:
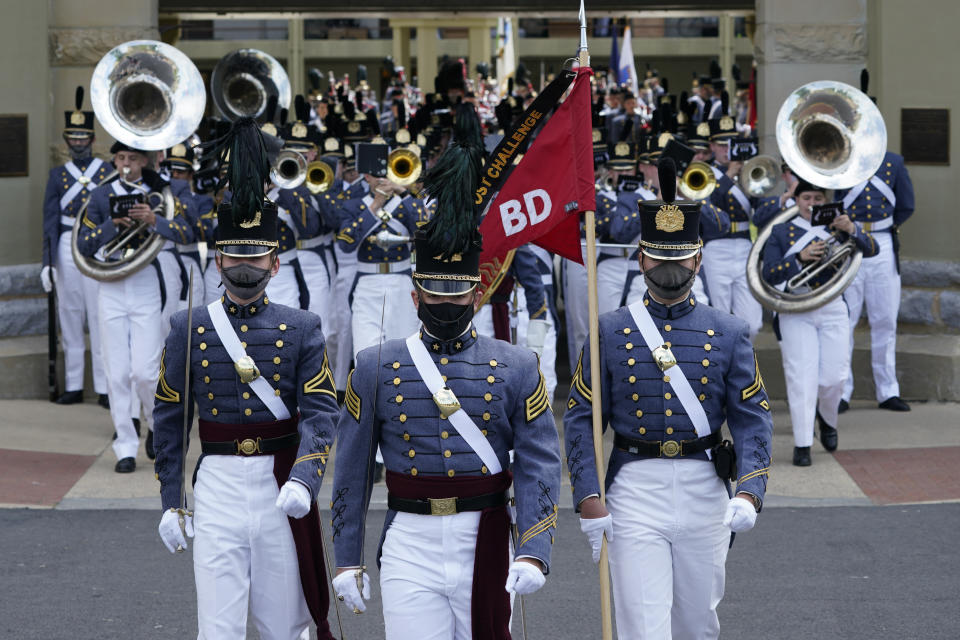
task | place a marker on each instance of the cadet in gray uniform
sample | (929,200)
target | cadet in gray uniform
(672,371)
(267,407)
(446,406)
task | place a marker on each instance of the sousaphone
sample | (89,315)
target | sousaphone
(149,96)
(243,81)
(832,136)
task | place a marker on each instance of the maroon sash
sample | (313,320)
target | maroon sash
(306,530)
(490,602)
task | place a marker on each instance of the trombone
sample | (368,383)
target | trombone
(289,170)
(698,181)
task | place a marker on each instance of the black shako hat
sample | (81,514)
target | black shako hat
(669,228)
(247,224)
(448,246)
(78,124)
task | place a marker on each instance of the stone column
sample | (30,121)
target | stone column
(294,64)
(478,47)
(725,59)
(794,45)
(426,57)
(401,48)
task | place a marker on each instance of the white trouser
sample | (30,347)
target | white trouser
(426,576)
(340,337)
(483,322)
(725,269)
(318,284)
(283,287)
(170,269)
(77,298)
(878,284)
(816,359)
(669,548)
(638,287)
(610,282)
(132,340)
(386,297)
(212,290)
(198,282)
(244,554)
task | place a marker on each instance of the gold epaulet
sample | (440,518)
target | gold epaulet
(351,399)
(164,392)
(323,381)
(538,402)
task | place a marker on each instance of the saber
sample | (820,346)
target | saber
(514,532)
(53,385)
(183,512)
(326,562)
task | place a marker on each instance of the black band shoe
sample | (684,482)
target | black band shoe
(70,397)
(151,453)
(828,434)
(136,425)
(843,406)
(103,400)
(801,457)
(894,403)
(126,465)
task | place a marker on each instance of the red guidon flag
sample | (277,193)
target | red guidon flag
(543,197)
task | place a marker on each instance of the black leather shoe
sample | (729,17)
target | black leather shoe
(126,465)
(378,472)
(103,400)
(70,397)
(153,454)
(828,434)
(801,457)
(893,403)
(843,406)
(136,425)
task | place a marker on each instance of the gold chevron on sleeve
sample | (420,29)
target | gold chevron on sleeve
(86,221)
(578,382)
(352,400)
(538,402)
(345,237)
(757,384)
(164,392)
(323,381)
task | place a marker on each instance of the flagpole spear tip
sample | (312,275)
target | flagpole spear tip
(584,54)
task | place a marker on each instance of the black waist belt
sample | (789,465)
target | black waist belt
(665,448)
(250,446)
(446,506)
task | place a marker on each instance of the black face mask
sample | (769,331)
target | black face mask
(80,152)
(445,320)
(245,281)
(669,280)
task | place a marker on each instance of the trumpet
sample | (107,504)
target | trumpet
(605,181)
(319,176)
(403,167)
(698,181)
(289,170)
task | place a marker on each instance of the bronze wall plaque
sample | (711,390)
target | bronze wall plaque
(925,136)
(13,146)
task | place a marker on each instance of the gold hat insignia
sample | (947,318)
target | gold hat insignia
(664,139)
(403,136)
(331,144)
(77,118)
(597,135)
(299,130)
(726,123)
(669,218)
(269,128)
(622,149)
(353,127)
(178,151)
(256,222)
(703,129)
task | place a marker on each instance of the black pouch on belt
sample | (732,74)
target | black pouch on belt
(725,460)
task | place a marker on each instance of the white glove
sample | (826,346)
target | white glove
(524,578)
(595,528)
(536,334)
(741,515)
(349,592)
(294,499)
(48,278)
(170,531)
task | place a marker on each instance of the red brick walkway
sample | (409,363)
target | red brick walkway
(893,476)
(37,478)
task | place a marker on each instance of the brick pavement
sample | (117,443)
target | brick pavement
(896,476)
(38,478)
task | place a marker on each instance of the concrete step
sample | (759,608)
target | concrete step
(928,367)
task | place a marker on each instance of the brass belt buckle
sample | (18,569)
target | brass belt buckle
(443,506)
(383,267)
(670,448)
(248,447)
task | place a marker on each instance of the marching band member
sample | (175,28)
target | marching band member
(879,206)
(672,371)
(267,407)
(68,187)
(813,343)
(446,405)
(131,308)
(725,258)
